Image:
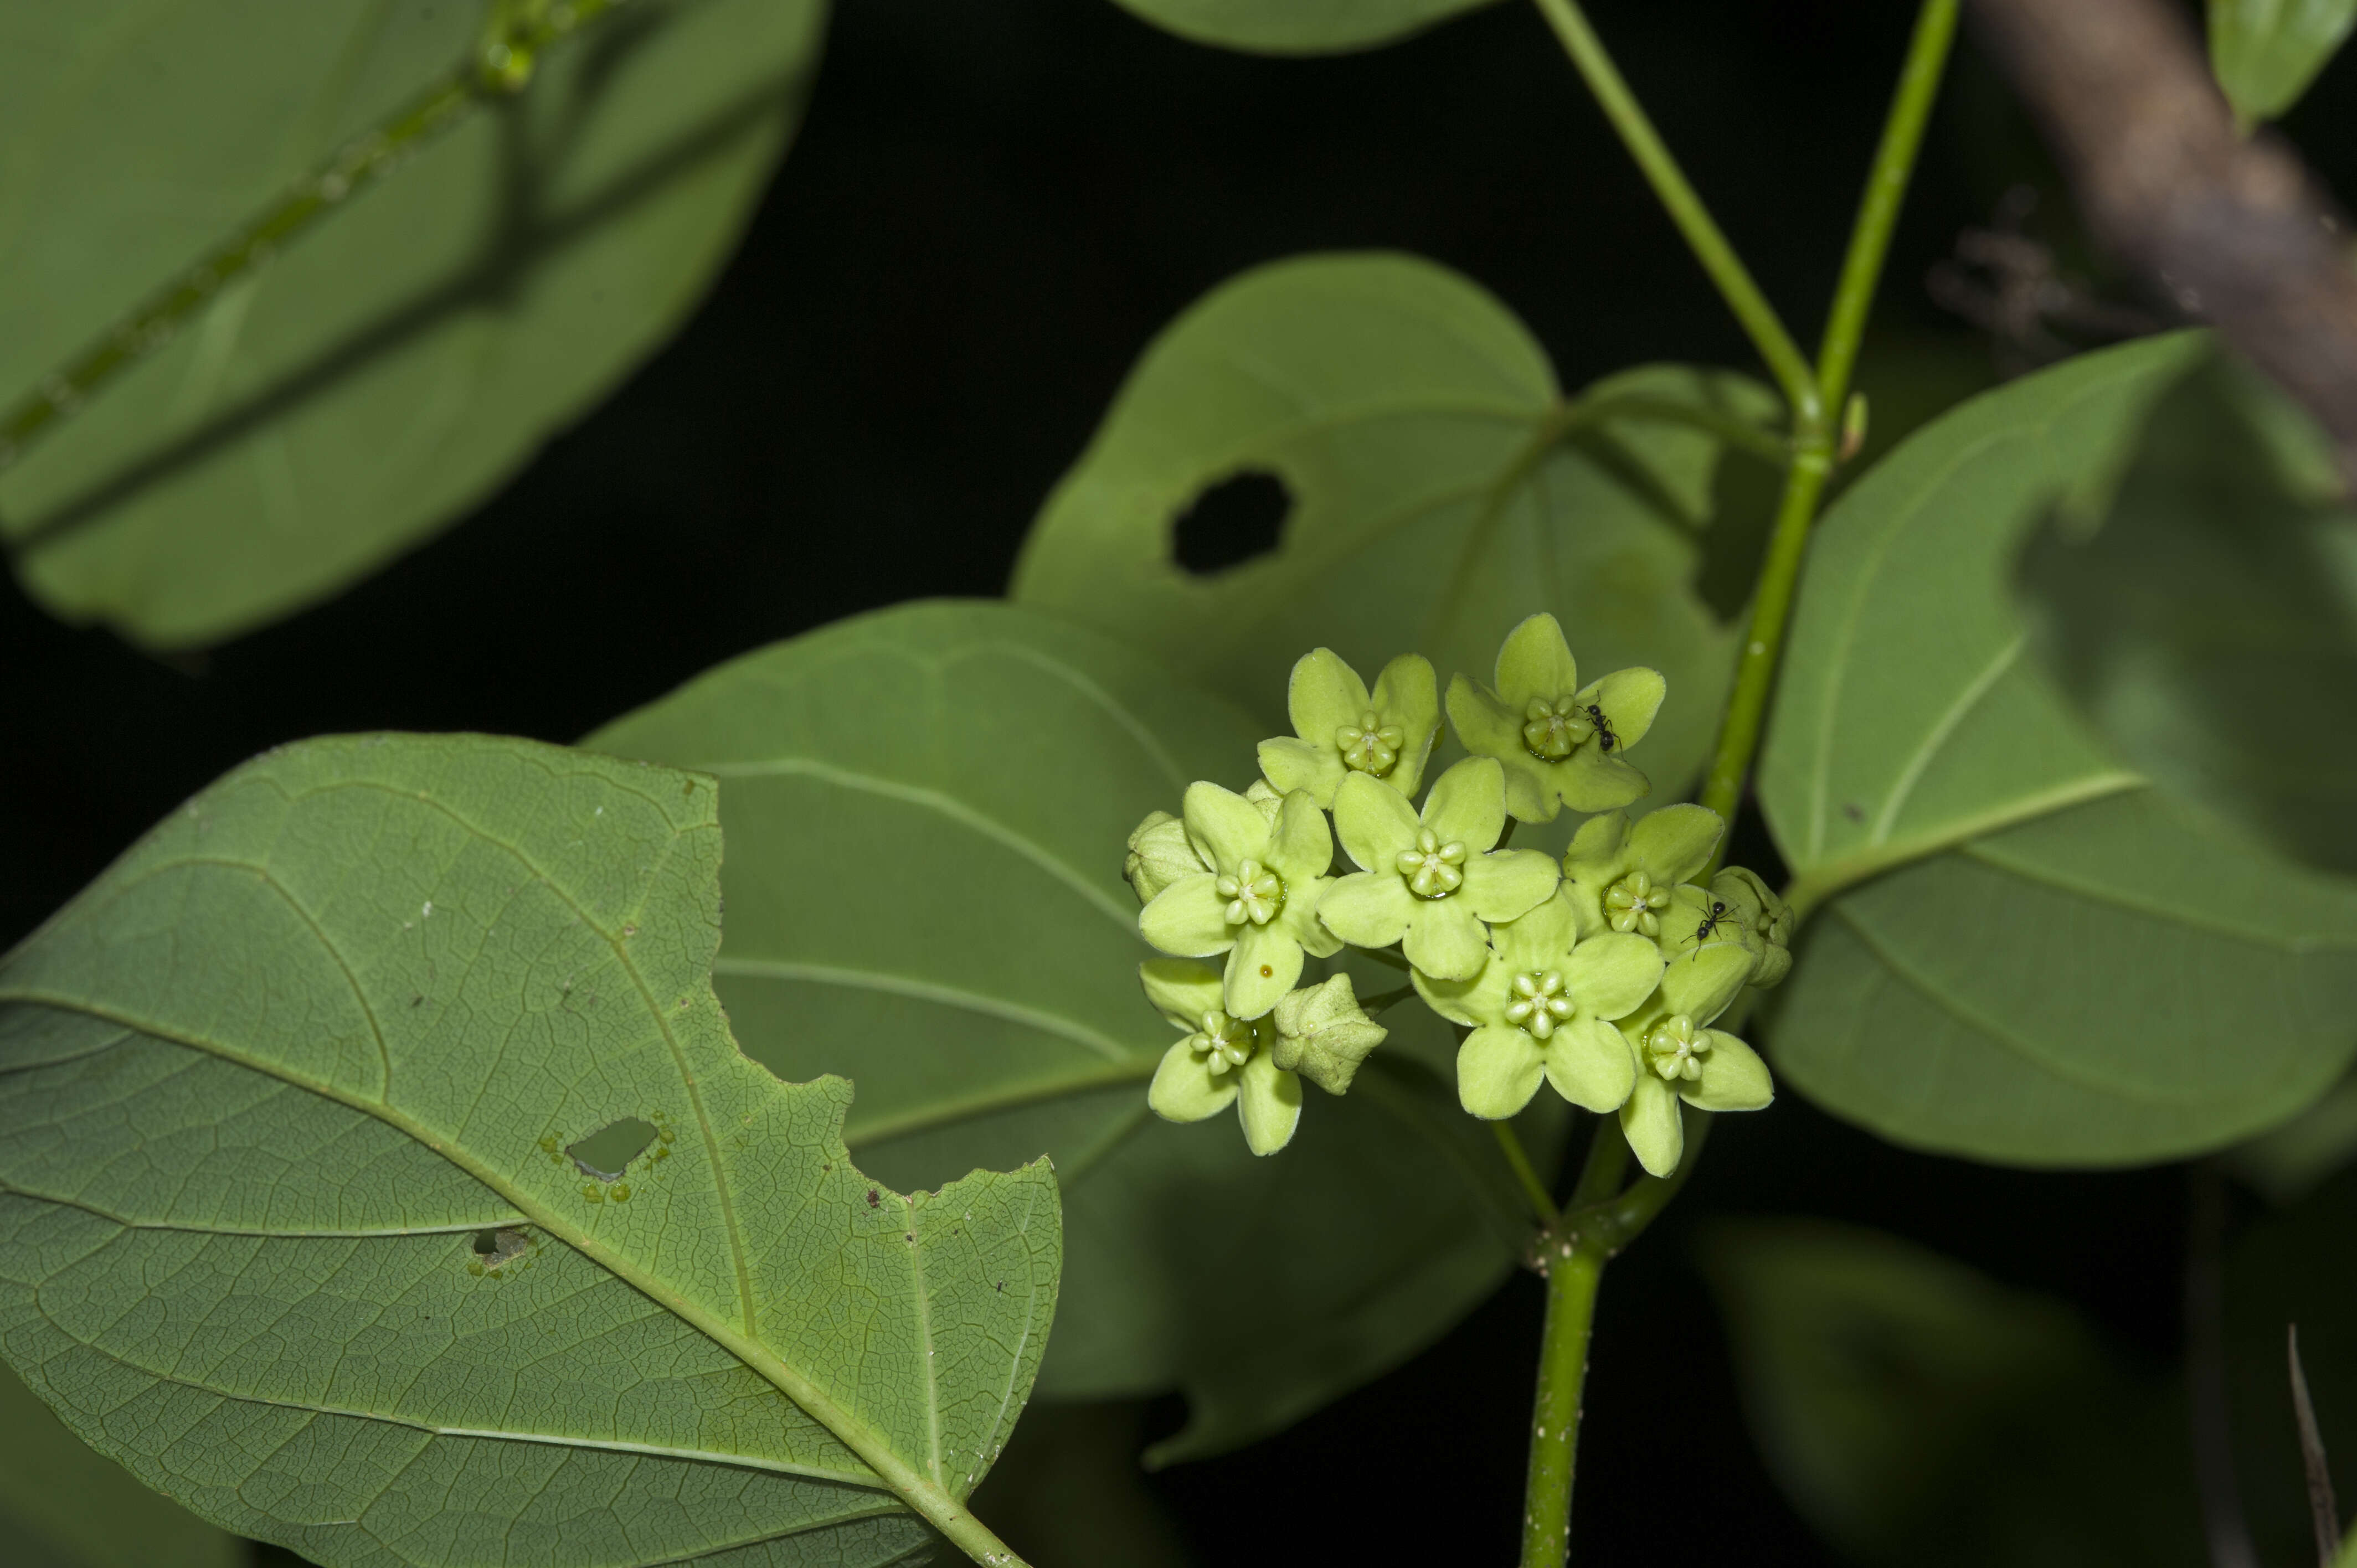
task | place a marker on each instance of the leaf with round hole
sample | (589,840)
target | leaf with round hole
(925,809)
(1442,489)
(404,359)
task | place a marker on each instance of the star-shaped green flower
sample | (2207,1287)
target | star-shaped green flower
(1340,728)
(1545,1005)
(1161,853)
(1681,1059)
(1433,882)
(1258,900)
(1739,907)
(1561,743)
(1624,877)
(1221,1060)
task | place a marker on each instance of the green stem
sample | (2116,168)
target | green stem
(1759,318)
(1371,1005)
(500,66)
(1812,455)
(1542,1207)
(1572,1282)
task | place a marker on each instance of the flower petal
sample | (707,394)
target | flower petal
(1324,694)
(1298,919)
(1539,937)
(1468,804)
(1480,1000)
(1701,984)
(1656,1134)
(1445,938)
(1611,976)
(1407,694)
(1733,1077)
(1536,662)
(1591,779)
(1506,884)
(1591,1065)
(1673,844)
(1497,1071)
(1226,827)
(1374,822)
(1184,1090)
(1368,908)
(1182,989)
(1262,969)
(1486,725)
(1292,763)
(1270,1105)
(1188,918)
(1300,848)
(1629,699)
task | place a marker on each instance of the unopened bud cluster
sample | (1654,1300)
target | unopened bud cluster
(1599,975)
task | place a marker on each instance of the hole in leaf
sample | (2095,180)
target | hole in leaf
(493,1248)
(608,1153)
(1238,519)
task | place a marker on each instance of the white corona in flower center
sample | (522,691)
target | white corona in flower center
(1222,1042)
(1432,869)
(1552,730)
(1674,1048)
(1370,746)
(1635,904)
(1255,894)
(1539,1003)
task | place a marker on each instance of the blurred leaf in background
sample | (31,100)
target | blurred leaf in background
(403,360)
(2266,52)
(62,1505)
(1296,27)
(925,810)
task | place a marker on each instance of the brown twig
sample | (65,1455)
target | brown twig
(2232,230)
(2323,1512)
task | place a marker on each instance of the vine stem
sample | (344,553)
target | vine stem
(1777,348)
(1601,1218)
(1814,452)
(498,67)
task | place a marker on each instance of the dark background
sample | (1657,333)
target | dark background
(990,210)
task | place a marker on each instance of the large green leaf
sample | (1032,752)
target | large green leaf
(2266,52)
(392,367)
(62,1506)
(1295,26)
(290,1227)
(925,810)
(1918,1412)
(2020,951)
(2208,626)
(1442,490)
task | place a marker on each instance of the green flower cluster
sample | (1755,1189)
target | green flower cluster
(1600,976)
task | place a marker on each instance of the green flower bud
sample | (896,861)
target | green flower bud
(1432,882)
(1341,728)
(1561,744)
(1685,1061)
(1257,900)
(1545,1005)
(1621,876)
(1322,1034)
(1159,855)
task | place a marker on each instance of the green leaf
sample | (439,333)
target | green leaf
(2266,52)
(2022,952)
(956,781)
(1295,26)
(1442,489)
(1917,1413)
(62,1506)
(398,363)
(288,1225)
(2208,624)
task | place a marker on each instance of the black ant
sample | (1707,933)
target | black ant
(1603,727)
(1719,912)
